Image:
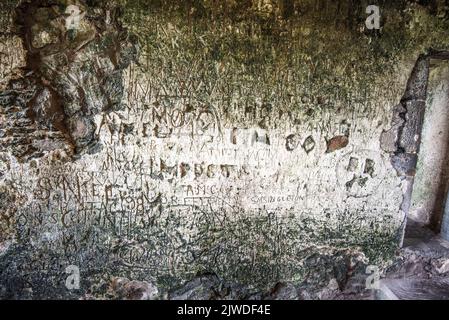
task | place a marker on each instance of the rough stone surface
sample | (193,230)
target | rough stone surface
(185,149)
(431,184)
(71,75)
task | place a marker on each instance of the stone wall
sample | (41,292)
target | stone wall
(261,141)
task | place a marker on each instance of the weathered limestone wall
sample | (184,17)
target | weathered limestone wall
(162,140)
